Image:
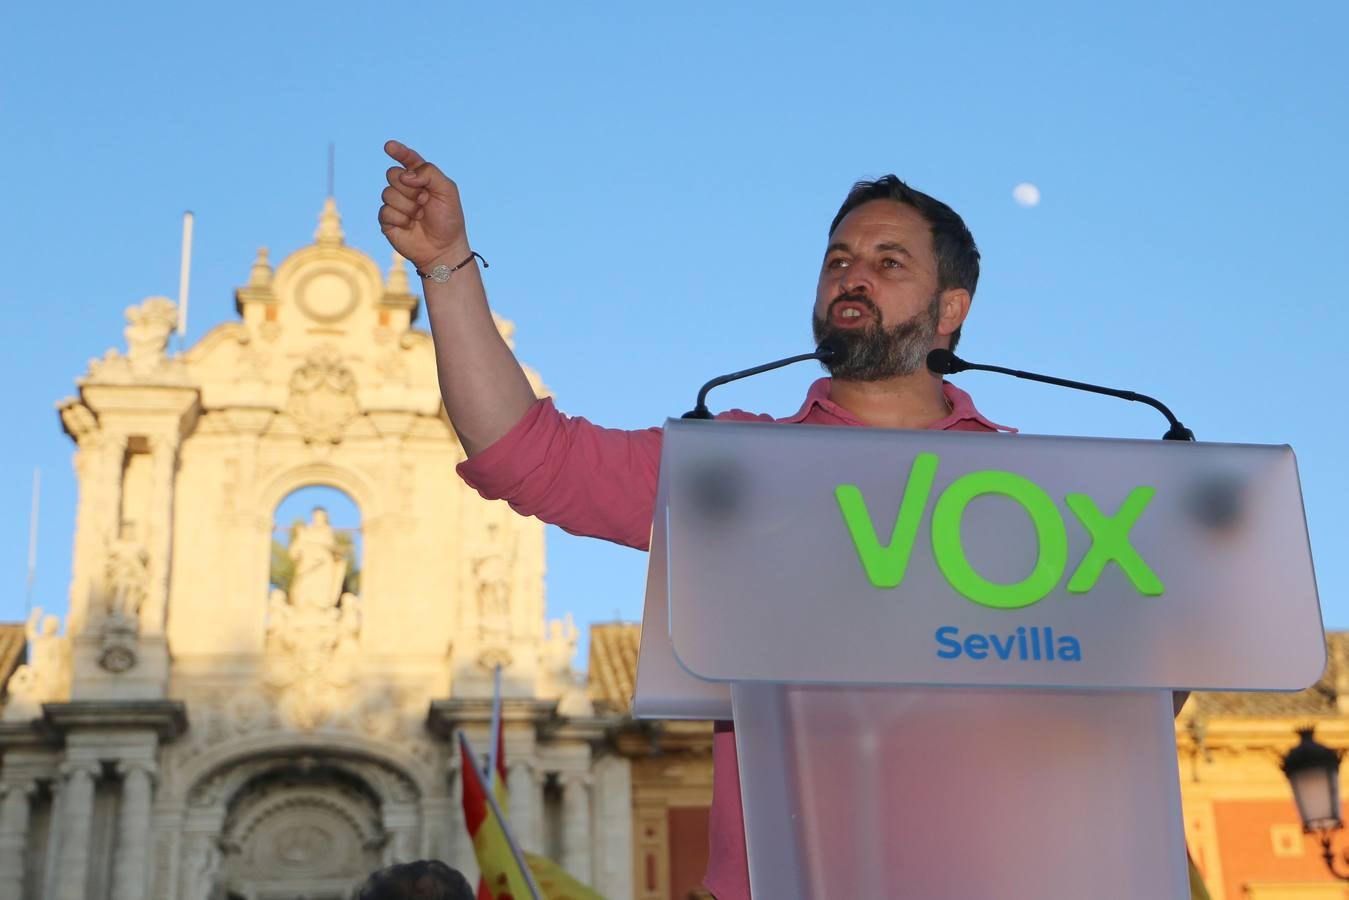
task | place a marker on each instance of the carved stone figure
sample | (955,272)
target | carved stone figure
(492,566)
(320,565)
(147,335)
(46,675)
(313,634)
(127,578)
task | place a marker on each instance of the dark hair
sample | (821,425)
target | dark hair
(952,243)
(425,879)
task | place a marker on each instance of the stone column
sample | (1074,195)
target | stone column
(612,851)
(14,809)
(576,824)
(526,804)
(77,813)
(130,858)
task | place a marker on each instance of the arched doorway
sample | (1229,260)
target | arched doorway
(301,830)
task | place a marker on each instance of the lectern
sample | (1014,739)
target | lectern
(949,656)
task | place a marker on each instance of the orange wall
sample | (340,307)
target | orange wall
(1247,848)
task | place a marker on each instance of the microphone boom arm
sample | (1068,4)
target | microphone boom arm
(944,362)
(700,410)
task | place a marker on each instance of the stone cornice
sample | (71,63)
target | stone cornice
(444,716)
(34,735)
(167,718)
(590,729)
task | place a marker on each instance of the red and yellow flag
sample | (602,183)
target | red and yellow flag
(499,792)
(502,878)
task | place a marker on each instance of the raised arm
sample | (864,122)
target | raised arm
(484,389)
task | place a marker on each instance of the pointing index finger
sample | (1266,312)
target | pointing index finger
(404,154)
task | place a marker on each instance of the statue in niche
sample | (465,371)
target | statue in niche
(320,564)
(492,566)
(313,630)
(127,577)
(147,335)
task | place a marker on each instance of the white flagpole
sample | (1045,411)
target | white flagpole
(516,852)
(32,542)
(495,740)
(183,271)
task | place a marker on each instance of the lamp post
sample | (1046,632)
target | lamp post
(1313,771)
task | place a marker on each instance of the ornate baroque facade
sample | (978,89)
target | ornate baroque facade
(196,732)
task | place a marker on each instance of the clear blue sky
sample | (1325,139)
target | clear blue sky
(652,185)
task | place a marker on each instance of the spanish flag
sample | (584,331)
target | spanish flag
(498,791)
(504,877)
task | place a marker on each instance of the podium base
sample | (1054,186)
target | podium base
(959,794)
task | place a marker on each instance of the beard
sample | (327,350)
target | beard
(875,353)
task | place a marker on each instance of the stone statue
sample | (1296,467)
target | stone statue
(46,675)
(313,634)
(128,577)
(492,569)
(320,565)
(147,335)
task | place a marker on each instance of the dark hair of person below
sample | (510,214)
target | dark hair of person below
(952,243)
(425,879)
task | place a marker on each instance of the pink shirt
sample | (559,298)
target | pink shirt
(601,482)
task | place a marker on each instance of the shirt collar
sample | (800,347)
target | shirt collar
(962,409)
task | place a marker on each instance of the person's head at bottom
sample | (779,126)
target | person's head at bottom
(425,879)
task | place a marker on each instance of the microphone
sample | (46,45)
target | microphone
(943,362)
(831,349)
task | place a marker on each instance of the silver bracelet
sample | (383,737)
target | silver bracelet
(441,273)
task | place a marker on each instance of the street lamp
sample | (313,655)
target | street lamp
(1313,771)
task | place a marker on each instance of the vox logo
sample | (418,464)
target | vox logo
(886,564)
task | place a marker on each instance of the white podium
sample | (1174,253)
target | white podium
(949,657)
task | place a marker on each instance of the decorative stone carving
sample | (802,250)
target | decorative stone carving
(314,633)
(559,648)
(493,564)
(78,419)
(320,565)
(126,585)
(46,675)
(322,397)
(201,863)
(126,578)
(147,335)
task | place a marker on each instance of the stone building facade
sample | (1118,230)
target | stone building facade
(196,731)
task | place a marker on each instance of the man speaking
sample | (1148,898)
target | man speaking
(897,278)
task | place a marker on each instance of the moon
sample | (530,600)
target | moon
(1026,194)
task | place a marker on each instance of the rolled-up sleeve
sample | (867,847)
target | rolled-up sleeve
(569,472)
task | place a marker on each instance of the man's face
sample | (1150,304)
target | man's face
(878,293)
